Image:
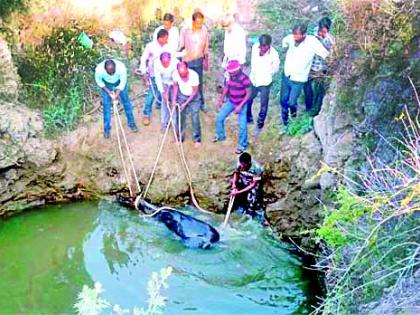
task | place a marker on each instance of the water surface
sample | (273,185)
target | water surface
(46,257)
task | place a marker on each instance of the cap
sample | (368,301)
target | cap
(233,66)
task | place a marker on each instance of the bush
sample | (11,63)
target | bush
(9,6)
(58,77)
(300,125)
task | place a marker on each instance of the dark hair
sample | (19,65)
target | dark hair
(162,33)
(265,39)
(301,28)
(325,22)
(168,17)
(109,62)
(197,14)
(165,54)
(182,63)
(245,158)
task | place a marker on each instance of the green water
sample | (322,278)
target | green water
(46,257)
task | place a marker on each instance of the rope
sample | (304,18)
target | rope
(121,153)
(229,210)
(159,152)
(130,158)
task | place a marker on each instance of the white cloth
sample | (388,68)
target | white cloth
(186,87)
(164,75)
(173,39)
(118,37)
(234,45)
(263,67)
(151,52)
(299,59)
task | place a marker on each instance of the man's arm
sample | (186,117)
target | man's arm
(206,62)
(122,70)
(175,89)
(190,98)
(244,100)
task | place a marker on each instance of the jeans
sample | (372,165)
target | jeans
(314,91)
(150,97)
(107,104)
(226,110)
(290,91)
(194,108)
(197,66)
(264,97)
(165,111)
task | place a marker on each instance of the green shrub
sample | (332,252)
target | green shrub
(9,6)
(57,77)
(339,222)
(300,125)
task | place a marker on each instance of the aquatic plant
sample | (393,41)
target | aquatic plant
(90,303)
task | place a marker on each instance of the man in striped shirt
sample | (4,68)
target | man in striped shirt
(238,90)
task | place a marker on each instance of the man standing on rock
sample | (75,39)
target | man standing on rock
(247,189)
(111,77)
(301,49)
(264,64)
(195,41)
(314,88)
(186,98)
(238,87)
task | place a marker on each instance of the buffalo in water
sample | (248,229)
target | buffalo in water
(193,233)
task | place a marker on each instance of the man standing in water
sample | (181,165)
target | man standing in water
(195,41)
(246,188)
(111,77)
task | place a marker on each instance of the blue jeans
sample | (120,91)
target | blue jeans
(290,91)
(264,97)
(197,66)
(194,108)
(107,104)
(150,97)
(165,111)
(226,110)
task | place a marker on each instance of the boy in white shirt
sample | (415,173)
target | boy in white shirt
(264,64)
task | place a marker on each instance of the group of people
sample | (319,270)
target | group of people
(173,65)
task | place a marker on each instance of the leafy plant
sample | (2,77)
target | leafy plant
(300,125)
(9,6)
(89,301)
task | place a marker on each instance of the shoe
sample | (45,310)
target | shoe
(216,139)
(250,121)
(146,121)
(134,129)
(107,135)
(239,151)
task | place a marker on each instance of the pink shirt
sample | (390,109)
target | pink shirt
(195,43)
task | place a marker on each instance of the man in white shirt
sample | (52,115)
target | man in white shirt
(151,52)
(301,49)
(164,68)
(173,31)
(264,64)
(111,77)
(234,45)
(186,98)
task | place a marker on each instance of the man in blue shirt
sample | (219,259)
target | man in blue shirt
(111,77)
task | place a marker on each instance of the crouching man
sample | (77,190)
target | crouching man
(247,188)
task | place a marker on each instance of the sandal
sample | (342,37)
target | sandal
(239,151)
